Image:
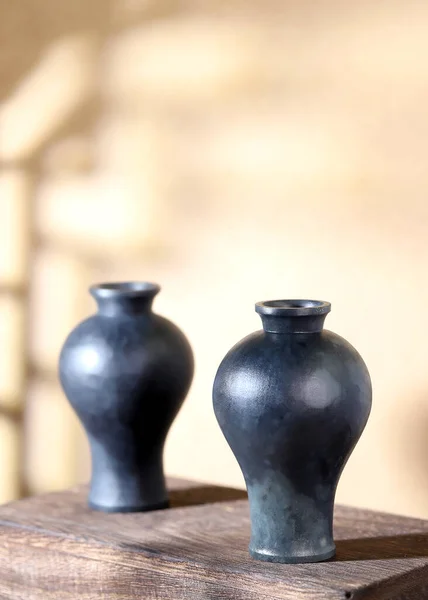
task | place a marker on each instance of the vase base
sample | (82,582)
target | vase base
(128,509)
(279,558)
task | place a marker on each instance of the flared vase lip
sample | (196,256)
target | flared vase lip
(128,289)
(293,308)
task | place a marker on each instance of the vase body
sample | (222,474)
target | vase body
(126,372)
(292,401)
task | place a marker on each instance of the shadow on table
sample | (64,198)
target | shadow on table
(413,545)
(205,494)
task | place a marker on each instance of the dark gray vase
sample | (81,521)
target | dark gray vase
(292,401)
(126,372)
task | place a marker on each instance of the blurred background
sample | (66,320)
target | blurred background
(233,152)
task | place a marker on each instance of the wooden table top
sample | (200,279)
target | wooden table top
(53,547)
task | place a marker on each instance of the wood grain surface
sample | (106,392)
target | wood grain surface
(53,547)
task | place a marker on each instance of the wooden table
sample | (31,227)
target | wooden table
(53,547)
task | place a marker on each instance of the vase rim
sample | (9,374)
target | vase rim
(140,289)
(293,308)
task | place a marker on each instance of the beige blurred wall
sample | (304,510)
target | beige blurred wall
(233,152)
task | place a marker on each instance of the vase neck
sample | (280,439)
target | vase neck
(293,316)
(128,298)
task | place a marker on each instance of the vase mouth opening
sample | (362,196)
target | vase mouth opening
(293,308)
(129,289)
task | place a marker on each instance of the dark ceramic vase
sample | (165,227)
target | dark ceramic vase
(292,401)
(126,372)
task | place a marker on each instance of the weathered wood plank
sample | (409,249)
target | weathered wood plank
(54,547)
